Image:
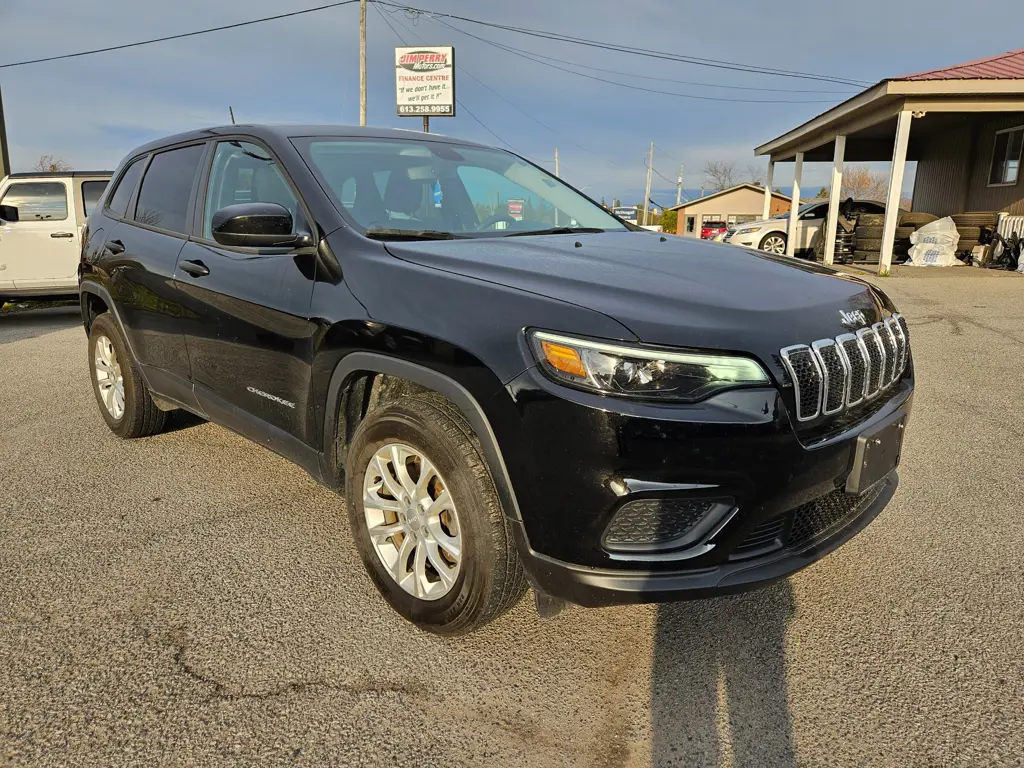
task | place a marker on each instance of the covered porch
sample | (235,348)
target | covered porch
(963,125)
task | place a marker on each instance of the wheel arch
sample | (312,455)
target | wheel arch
(349,396)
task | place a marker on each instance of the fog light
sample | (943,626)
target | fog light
(648,525)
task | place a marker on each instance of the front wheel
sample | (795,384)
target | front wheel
(774,242)
(427,519)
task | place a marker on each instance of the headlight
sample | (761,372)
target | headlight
(746,230)
(641,372)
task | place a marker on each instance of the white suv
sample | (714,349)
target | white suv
(41,220)
(770,234)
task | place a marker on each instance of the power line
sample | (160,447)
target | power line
(457,101)
(631,86)
(512,49)
(178,37)
(514,105)
(699,61)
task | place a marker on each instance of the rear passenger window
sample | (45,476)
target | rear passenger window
(167,188)
(91,193)
(117,203)
(38,200)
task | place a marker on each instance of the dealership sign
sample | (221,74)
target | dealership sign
(515,208)
(425,81)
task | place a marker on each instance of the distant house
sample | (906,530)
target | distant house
(964,125)
(736,205)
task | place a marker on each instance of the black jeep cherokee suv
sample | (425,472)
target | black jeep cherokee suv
(510,384)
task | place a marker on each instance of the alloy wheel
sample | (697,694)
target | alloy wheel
(412,521)
(109,379)
(774,244)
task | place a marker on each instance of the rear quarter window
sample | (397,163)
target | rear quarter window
(117,202)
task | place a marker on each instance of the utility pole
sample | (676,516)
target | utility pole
(5,160)
(426,124)
(362,62)
(647,194)
(679,185)
(556,174)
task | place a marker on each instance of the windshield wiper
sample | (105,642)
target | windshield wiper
(384,233)
(555,231)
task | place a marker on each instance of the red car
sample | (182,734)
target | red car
(710,229)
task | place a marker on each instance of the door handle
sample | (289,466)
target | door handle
(62,234)
(195,268)
(115,246)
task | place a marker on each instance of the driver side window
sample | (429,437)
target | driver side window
(244,173)
(500,201)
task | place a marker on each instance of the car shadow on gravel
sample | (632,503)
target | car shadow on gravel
(31,323)
(719,681)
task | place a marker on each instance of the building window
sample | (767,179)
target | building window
(711,217)
(691,223)
(1006,157)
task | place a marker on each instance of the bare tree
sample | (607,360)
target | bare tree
(864,184)
(51,163)
(720,174)
(756,174)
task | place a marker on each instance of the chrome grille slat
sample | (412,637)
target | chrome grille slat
(889,350)
(899,328)
(857,364)
(834,370)
(832,374)
(807,377)
(876,358)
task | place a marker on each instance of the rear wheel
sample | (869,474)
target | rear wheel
(121,392)
(427,519)
(773,242)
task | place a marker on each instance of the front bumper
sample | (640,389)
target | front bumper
(578,462)
(595,587)
(747,239)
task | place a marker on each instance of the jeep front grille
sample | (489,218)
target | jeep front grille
(832,374)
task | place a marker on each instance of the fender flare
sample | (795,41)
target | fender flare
(437,382)
(98,290)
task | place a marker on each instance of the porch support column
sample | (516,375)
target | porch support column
(768,190)
(892,200)
(833,199)
(798,172)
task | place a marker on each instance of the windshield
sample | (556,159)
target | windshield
(413,189)
(802,209)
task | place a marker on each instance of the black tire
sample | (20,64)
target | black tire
(973,220)
(869,244)
(770,240)
(490,579)
(870,220)
(917,219)
(869,257)
(875,233)
(140,416)
(968,233)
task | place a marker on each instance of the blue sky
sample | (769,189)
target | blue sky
(92,110)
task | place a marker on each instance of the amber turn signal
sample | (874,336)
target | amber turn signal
(563,358)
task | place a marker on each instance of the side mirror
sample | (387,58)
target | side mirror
(9,213)
(257,225)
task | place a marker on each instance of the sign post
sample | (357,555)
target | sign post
(425,82)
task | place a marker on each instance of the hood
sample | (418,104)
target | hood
(666,290)
(761,223)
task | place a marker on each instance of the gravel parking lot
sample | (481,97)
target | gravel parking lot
(191,599)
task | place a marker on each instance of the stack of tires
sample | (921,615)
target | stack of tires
(868,235)
(970,226)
